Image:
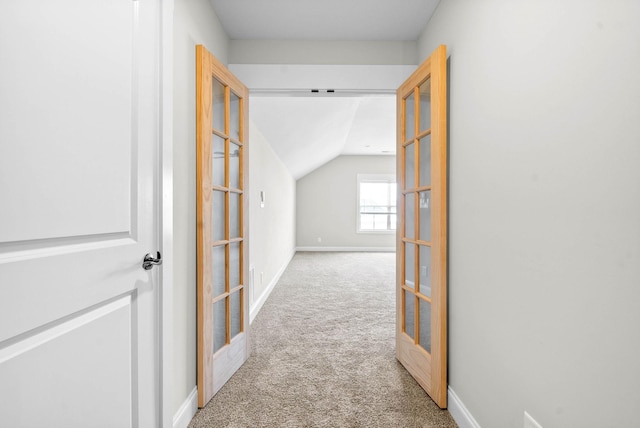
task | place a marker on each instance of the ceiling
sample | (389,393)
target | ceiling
(324,19)
(308,131)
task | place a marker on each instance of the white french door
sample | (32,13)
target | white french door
(79,131)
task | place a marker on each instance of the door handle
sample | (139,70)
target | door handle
(150,261)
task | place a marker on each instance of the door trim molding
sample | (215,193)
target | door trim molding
(187,410)
(165,220)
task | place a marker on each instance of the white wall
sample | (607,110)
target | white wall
(194,23)
(327,204)
(272,230)
(322,52)
(544,209)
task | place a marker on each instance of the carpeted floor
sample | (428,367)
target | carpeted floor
(323,354)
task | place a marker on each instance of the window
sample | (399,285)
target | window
(376,203)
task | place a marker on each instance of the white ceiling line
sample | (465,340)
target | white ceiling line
(324,19)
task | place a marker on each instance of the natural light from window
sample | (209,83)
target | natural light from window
(376,203)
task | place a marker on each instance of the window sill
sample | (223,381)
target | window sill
(376,232)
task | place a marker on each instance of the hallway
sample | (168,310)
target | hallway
(323,353)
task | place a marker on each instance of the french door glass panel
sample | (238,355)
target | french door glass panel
(234,165)
(409,314)
(236,311)
(218,168)
(234,120)
(218,104)
(425,325)
(219,325)
(409,273)
(425,215)
(219,273)
(425,160)
(234,265)
(234,215)
(409,105)
(410,215)
(425,105)
(218,215)
(424,283)
(409,166)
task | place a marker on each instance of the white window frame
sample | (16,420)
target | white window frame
(372,178)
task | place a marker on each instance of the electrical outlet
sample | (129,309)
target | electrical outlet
(319,239)
(261,278)
(529,422)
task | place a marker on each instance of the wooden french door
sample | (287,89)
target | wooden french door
(222,208)
(421,325)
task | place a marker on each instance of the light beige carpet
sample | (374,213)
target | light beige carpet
(323,354)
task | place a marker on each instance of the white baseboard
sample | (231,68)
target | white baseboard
(459,412)
(355,249)
(257,305)
(186,412)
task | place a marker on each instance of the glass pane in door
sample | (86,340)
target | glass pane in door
(218,256)
(425,216)
(425,161)
(218,164)
(425,105)
(425,325)
(409,266)
(234,265)
(409,166)
(410,126)
(235,308)
(234,116)
(217,215)
(409,313)
(217,110)
(234,166)
(219,324)
(234,215)
(410,215)
(425,270)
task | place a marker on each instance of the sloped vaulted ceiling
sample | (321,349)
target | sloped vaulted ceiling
(307,132)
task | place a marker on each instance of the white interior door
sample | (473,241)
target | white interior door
(78,184)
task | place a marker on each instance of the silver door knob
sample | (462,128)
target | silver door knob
(150,261)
